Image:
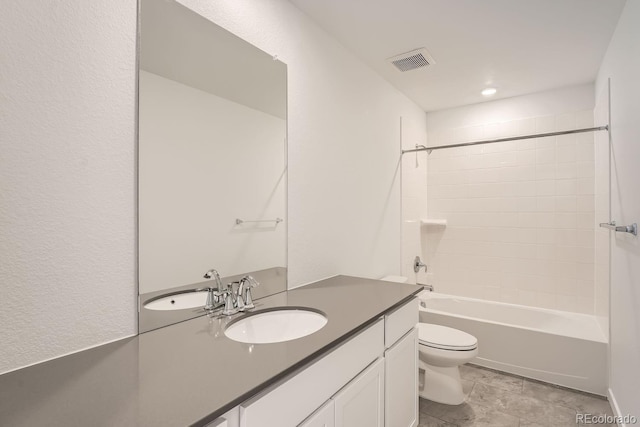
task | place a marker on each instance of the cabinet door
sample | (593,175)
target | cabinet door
(361,402)
(401,382)
(323,417)
(292,401)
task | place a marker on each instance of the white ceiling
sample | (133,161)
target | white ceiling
(518,46)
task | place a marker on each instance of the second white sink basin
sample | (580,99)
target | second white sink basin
(180,301)
(276,326)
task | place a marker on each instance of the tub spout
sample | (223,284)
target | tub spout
(427,287)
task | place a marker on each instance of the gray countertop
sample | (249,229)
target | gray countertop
(188,373)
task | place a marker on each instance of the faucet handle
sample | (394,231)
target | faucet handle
(418,264)
(229,306)
(211,297)
(248,283)
(253,283)
(237,294)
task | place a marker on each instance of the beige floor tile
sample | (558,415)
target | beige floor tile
(521,406)
(469,414)
(429,421)
(495,379)
(581,403)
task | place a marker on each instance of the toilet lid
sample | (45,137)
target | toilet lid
(445,338)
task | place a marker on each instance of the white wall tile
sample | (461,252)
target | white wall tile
(521,214)
(566,236)
(585,203)
(566,121)
(585,152)
(545,171)
(547,142)
(545,124)
(566,187)
(546,188)
(566,153)
(584,119)
(526,204)
(585,186)
(566,204)
(585,220)
(545,155)
(566,170)
(585,169)
(546,203)
(526,157)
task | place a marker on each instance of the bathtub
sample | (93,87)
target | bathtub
(568,349)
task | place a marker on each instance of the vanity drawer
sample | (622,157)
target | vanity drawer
(230,419)
(400,321)
(292,401)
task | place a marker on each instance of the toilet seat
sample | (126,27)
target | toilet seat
(444,338)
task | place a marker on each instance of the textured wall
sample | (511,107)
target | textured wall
(67,177)
(622,65)
(67,169)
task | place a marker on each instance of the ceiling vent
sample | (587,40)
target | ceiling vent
(413,60)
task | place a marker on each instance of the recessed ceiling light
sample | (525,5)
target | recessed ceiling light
(490,91)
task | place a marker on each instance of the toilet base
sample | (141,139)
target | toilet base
(442,385)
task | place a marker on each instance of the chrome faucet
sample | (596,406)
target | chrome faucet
(216,276)
(230,300)
(215,296)
(235,296)
(244,290)
(418,264)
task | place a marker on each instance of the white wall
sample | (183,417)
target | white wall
(622,65)
(67,177)
(344,131)
(205,161)
(520,213)
(68,164)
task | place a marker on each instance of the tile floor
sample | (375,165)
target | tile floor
(496,399)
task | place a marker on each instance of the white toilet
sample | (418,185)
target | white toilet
(441,350)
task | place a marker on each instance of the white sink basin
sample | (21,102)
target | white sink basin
(180,301)
(276,326)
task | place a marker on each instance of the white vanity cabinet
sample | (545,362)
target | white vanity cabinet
(361,402)
(401,382)
(323,417)
(290,402)
(401,366)
(370,380)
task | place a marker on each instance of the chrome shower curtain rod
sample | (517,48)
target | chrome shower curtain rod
(513,138)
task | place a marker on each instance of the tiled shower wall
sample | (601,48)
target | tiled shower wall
(520,215)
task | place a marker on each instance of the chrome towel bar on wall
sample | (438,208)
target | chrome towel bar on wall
(242,221)
(632,229)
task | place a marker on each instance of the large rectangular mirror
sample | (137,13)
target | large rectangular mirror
(212,159)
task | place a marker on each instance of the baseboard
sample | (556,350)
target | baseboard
(615,408)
